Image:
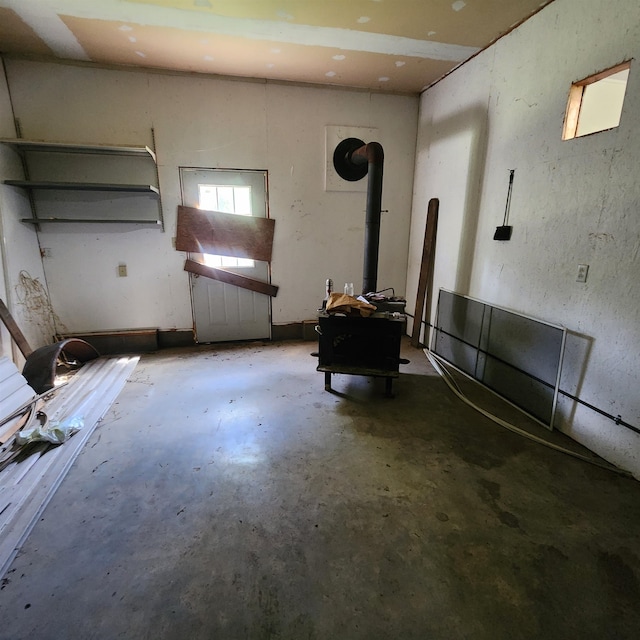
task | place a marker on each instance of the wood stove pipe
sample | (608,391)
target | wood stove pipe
(353,159)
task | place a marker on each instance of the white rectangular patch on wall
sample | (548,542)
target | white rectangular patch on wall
(335,134)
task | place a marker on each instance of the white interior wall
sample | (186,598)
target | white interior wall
(574,202)
(21,270)
(215,123)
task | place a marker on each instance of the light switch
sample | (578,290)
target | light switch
(122,270)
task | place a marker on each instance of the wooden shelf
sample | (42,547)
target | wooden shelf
(64,147)
(84,186)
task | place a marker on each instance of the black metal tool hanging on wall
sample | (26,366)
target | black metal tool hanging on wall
(353,160)
(504,232)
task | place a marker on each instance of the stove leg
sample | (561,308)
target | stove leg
(388,382)
(327,381)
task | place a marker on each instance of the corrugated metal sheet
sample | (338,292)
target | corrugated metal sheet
(26,487)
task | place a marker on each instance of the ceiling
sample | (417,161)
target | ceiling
(385,45)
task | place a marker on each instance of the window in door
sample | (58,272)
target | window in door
(227,199)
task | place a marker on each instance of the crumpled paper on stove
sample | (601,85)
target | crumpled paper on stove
(350,306)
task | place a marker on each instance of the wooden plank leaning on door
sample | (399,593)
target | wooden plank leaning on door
(227,234)
(223,275)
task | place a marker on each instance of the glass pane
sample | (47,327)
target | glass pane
(243,201)
(602,104)
(208,197)
(225,200)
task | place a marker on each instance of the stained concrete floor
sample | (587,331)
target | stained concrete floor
(227,495)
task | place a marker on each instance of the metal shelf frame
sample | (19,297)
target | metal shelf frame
(24,147)
(91,221)
(84,186)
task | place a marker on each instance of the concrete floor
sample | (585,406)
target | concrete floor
(227,495)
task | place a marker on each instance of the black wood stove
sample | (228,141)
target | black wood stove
(360,346)
(366,346)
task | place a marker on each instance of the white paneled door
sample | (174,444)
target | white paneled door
(223,312)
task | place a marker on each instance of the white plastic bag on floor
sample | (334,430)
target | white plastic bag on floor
(55,431)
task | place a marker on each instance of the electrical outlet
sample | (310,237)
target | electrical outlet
(583,270)
(122,270)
